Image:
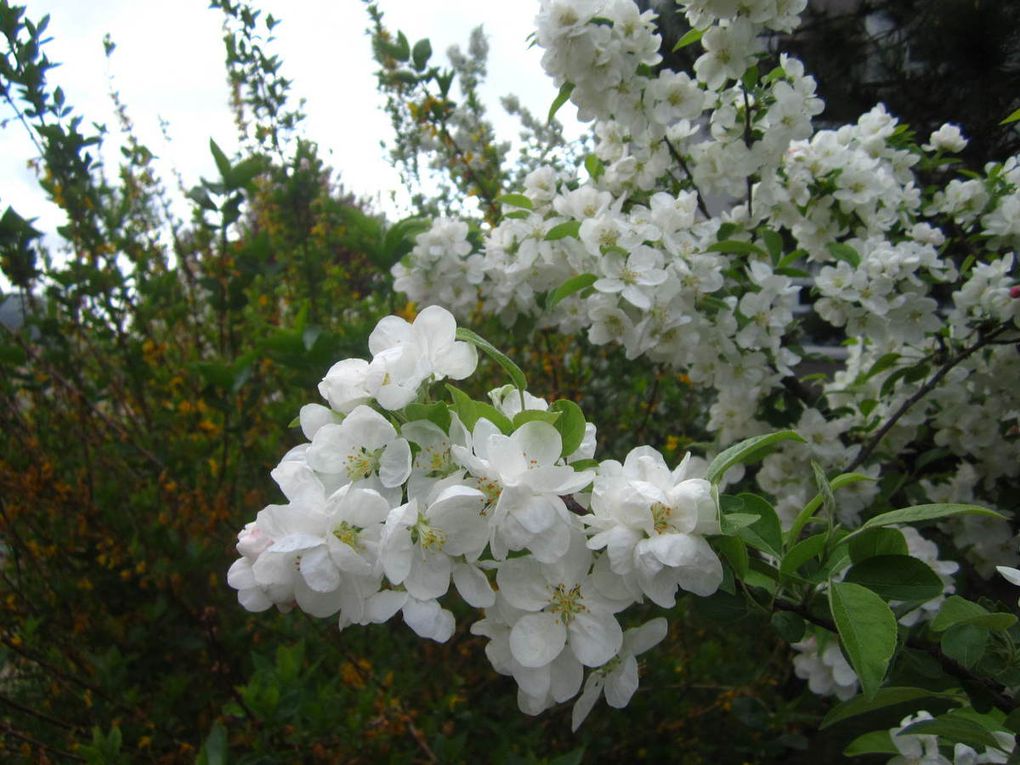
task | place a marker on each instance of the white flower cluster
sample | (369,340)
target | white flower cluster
(711,203)
(395,497)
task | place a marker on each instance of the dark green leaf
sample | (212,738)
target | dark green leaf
(765,533)
(881,541)
(736,246)
(867,629)
(885,697)
(802,552)
(965,643)
(421,54)
(569,287)
(897,577)
(789,626)
(562,230)
(876,742)
(561,98)
(953,729)
(845,252)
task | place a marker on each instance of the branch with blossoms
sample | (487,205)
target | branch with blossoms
(855,249)
(398,495)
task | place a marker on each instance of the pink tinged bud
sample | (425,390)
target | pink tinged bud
(252,541)
(1014,291)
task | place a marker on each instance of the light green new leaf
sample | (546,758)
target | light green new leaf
(1013,117)
(867,629)
(535,415)
(563,230)
(570,424)
(569,287)
(515,200)
(688,39)
(561,98)
(746,451)
(515,373)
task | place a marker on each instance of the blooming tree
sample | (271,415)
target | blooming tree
(711,217)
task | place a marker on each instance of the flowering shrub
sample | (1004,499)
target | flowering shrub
(715,231)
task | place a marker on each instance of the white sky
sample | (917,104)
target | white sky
(169,64)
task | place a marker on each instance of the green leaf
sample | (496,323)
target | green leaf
(789,626)
(214,750)
(957,610)
(841,251)
(805,515)
(876,542)
(885,697)
(773,243)
(569,287)
(222,163)
(897,577)
(690,38)
(1013,117)
(731,523)
(867,629)
(402,50)
(735,552)
(513,371)
(570,424)
(883,363)
(515,200)
(421,53)
(876,742)
(736,246)
(534,415)
(801,553)
(954,729)
(465,407)
(765,533)
(493,415)
(922,513)
(594,166)
(563,230)
(438,413)
(965,643)
(747,450)
(561,98)
(824,489)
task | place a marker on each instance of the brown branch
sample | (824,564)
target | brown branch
(683,165)
(9,730)
(921,392)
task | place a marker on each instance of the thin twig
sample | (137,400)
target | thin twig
(683,165)
(9,730)
(920,393)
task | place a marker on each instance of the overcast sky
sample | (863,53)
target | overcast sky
(169,64)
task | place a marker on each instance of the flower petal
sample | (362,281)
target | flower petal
(537,639)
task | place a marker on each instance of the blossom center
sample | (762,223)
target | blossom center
(662,517)
(348,534)
(567,602)
(362,462)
